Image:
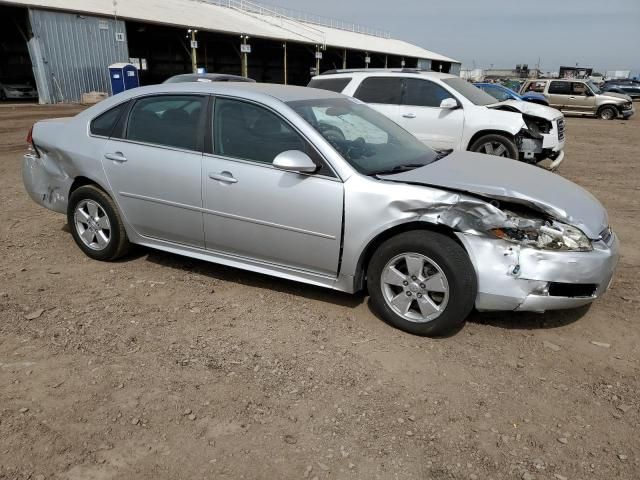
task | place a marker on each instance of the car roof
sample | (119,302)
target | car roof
(382,72)
(284,93)
(214,77)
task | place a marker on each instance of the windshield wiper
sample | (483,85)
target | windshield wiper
(442,153)
(398,169)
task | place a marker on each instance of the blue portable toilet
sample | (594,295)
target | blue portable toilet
(123,76)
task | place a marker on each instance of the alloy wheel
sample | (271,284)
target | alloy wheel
(92,224)
(494,148)
(415,287)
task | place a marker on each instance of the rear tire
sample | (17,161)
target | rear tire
(96,225)
(607,113)
(422,282)
(495,144)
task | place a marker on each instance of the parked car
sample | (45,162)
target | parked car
(207,77)
(313,186)
(446,112)
(502,93)
(17,91)
(630,88)
(581,97)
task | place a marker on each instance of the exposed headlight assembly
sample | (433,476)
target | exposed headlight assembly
(543,234)
(536,125)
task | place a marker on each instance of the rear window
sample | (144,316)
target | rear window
(104,123)
(332,84)
(384,90)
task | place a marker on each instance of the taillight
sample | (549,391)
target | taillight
(32,146)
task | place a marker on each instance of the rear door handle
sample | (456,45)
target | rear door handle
(226,177)
(116,157)
(409,115)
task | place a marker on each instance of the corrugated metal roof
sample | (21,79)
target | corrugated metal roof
(206,16)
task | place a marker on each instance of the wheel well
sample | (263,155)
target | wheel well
(482,133)
(372,246)
(81,182)
(608,105)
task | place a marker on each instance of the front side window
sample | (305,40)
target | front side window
(560,88)
(168,120)
(249,132)
(423,93)
(104,123)
(366,139)
(578,88)
(382,90)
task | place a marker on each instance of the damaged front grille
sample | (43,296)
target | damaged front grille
(560,126)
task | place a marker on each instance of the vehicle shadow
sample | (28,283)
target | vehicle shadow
(529,320)
(247,278)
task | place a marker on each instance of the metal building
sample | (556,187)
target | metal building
(70,43)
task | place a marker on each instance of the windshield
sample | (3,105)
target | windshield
(368,140)
(469,91)
(594,87)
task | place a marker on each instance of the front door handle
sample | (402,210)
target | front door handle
(226,177)
(116,157)
(409,115)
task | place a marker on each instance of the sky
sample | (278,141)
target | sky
(604,34)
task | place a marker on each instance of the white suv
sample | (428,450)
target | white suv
(446,112)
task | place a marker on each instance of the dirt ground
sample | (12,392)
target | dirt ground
(163,367)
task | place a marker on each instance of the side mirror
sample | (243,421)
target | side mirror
(294,161)
(449,103)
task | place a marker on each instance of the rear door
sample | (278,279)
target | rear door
(382,93)
(558,94)
(153,165)
(420,114)
(256,211)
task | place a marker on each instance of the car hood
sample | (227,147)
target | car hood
(617,96)
(529,108)
(515,182)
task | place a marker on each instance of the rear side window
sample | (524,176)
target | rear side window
(423,93)
(104,123)
(385,90)
(332,84)
(560,88)
(169,120)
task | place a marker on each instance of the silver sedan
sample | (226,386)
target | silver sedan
(316,187)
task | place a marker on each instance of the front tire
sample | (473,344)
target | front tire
(495,144)
(422,282)
(96,225)
(608,113)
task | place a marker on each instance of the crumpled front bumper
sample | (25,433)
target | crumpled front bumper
(511,277)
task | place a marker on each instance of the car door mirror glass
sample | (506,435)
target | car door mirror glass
(449,103)
(295,161)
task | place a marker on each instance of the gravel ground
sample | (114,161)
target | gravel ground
(163,367)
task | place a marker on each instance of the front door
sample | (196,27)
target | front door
(154,170)
(256,211)
(581,98)
(420,114)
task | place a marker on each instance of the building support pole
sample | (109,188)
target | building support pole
(284,46)
(318,53)
(194,60)
(344,59)
(245,59)
(386,60)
